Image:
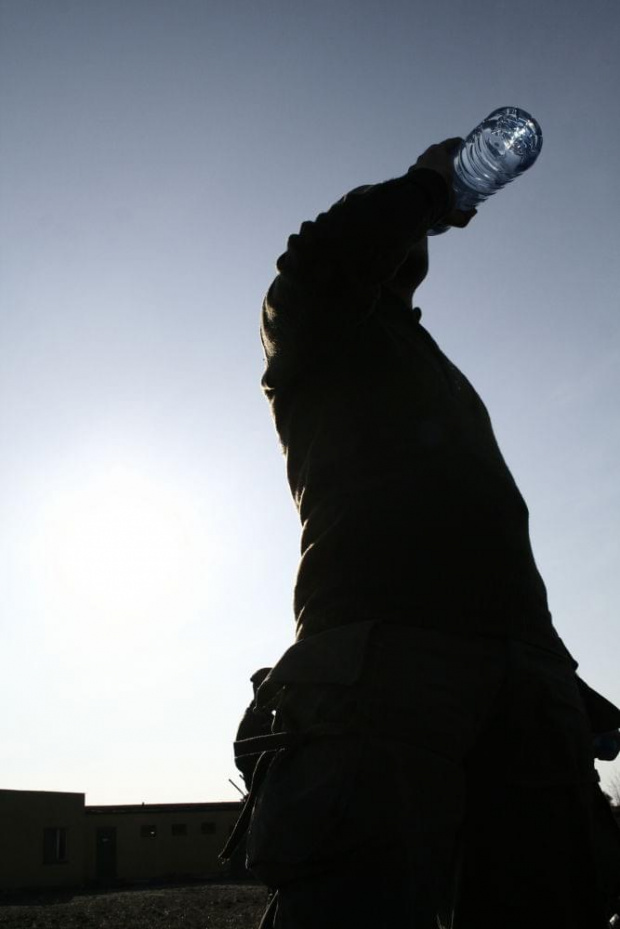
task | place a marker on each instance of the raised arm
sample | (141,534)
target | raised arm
(330,277)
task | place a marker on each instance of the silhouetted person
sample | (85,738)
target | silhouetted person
(444,754)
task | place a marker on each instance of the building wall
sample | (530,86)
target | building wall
(51,839)
(41,839)
(157,842)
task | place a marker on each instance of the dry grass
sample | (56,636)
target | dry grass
(206,906)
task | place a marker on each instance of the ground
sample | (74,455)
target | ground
(204,906)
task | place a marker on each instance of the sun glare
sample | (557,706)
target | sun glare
(120,553)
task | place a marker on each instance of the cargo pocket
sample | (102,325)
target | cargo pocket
(303,816)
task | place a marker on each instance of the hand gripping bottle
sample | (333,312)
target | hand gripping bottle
(503,146)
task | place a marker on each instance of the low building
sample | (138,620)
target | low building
(157,841)
(50,839)
(41,839)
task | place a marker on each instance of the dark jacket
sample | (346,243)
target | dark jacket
(409,512)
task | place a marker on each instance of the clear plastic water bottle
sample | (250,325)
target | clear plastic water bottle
(501,148)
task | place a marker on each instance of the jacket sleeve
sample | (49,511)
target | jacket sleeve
(330,276)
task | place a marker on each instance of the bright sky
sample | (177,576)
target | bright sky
(156,154)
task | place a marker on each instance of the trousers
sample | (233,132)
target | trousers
(451,783)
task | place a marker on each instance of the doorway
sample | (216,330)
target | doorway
(106,853)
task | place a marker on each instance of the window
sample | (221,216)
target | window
(207,828)
(54,845)
(148,832)
(179,829)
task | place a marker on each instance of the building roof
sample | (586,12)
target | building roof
(213,807)
(5,791)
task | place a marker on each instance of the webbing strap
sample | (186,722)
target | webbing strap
(241,826)
(271,742)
